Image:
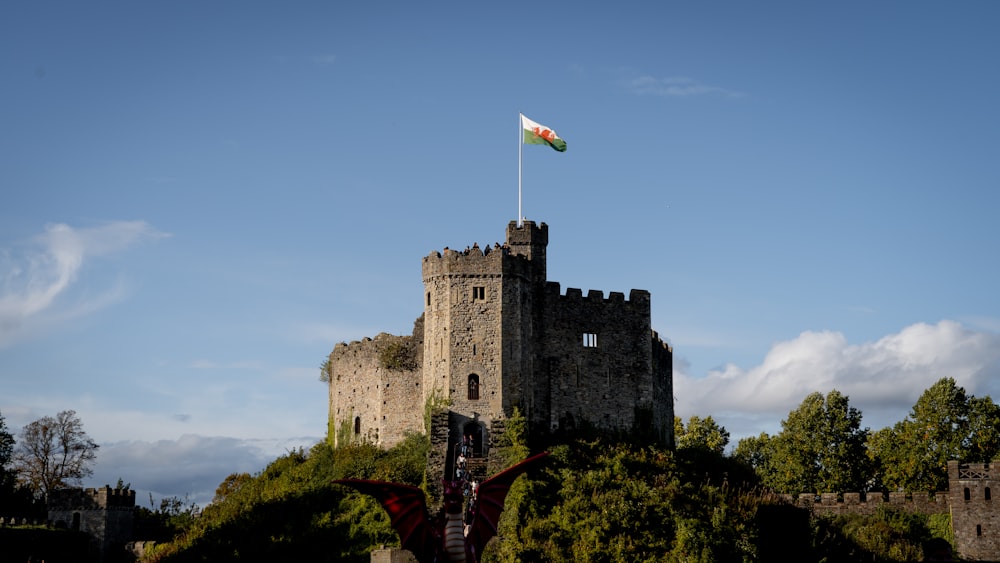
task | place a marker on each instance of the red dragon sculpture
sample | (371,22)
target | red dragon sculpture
(444,539)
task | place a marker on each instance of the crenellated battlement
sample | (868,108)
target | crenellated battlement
(573,296)
(869,503)
(104,498)
(475,262)
(364,347)
(972,471)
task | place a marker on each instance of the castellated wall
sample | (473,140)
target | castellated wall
(833,504)
(975,518)
(369,402)
(597,357)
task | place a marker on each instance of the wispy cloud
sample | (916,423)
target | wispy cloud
(327,59)
(678,87)
(239,364)
(34,274)
(882,378)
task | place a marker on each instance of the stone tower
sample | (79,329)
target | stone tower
(495,334)
(974,517)
(479,326)
(105,514)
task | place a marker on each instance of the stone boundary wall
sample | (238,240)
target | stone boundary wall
(834,504)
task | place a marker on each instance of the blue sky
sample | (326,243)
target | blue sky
(200,199)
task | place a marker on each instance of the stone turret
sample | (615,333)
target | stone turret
(975,519)
(105,514)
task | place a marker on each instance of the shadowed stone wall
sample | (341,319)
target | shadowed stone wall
(105,514)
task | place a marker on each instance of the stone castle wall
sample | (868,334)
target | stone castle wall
(663,389)
(597,357)
(833,504)
(369,402)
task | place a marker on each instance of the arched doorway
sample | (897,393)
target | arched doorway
(478,434)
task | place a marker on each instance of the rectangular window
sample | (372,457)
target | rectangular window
(478,293)
(589,340)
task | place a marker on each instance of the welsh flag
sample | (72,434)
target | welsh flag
(537,134)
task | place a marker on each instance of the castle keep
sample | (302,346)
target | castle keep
(495,334)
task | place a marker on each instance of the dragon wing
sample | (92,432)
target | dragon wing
(489,503)
(407,510)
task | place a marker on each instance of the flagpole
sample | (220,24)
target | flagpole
(520,151)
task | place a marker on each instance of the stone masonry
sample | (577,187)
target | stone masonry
(969,498)
(105,514)
(496,335)
(974,517)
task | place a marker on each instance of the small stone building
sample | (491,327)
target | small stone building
(105,514)
(495,334)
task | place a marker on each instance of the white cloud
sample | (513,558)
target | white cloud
(35,274)
(676,86)
(191,466)
(882,378)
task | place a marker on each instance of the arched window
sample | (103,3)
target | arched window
(473,387)
(357,425)
(989,496)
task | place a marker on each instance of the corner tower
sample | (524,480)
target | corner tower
(478,326)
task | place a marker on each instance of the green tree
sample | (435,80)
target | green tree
(702,433)
(756,451)
(54,452)
(6,447)
(821,448)
(15,499)
(944,424)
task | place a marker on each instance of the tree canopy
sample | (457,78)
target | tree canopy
(54,453)
(945,424)
(702,433)
(821,447)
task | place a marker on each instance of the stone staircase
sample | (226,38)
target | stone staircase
(477,468)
